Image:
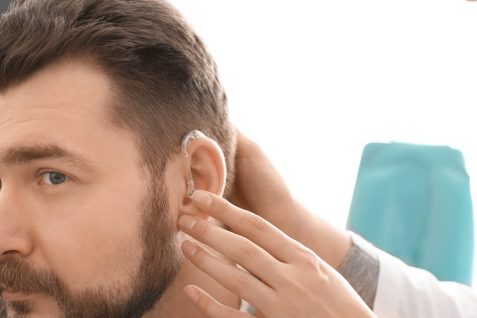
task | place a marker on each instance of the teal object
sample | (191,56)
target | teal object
(414,202)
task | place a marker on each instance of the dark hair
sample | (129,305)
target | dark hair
(165,82)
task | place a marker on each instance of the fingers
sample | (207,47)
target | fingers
(211,307)
(248,225)
(240,282)
(237,248)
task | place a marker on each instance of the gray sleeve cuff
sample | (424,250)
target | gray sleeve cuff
(361,269)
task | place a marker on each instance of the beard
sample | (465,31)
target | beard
(159,266)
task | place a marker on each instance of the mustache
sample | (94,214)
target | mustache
(18,276)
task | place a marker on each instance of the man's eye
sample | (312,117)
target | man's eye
(53,178)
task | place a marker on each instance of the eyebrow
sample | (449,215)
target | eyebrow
(19,155)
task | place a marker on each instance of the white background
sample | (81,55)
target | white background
(314,81)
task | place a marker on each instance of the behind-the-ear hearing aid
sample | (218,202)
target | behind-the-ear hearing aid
(191,135)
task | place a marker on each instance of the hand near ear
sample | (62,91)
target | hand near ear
(281,277)
(259,188)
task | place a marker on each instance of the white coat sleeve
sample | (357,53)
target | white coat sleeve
(408,292)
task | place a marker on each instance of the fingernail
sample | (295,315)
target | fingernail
(203,198)
(192,293)
(189,248)
(186,221)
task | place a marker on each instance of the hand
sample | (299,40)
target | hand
(280,277)
(258,187)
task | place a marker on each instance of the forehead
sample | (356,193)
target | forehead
(68,86)
(66,103)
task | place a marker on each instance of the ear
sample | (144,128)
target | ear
(207,165)
(206,162)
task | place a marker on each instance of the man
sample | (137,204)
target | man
(95,99)
(88,210)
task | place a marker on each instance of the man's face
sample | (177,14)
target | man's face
(82,231)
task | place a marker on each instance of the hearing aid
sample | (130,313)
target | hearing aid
(191,135)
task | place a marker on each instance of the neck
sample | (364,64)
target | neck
(175,304)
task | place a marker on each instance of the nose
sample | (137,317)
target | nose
(14,237)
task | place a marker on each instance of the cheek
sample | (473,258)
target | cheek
(96,242)
(176,190)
